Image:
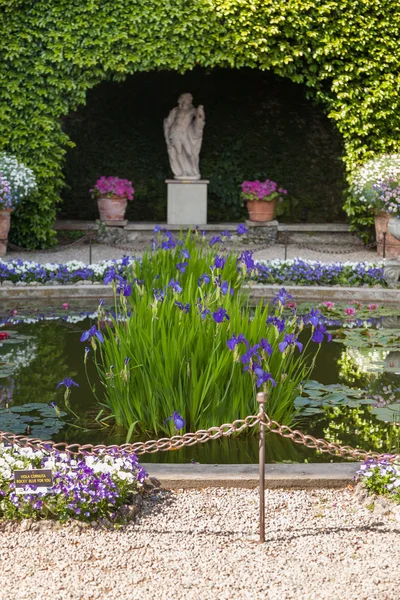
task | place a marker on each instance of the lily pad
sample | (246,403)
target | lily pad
(40,417)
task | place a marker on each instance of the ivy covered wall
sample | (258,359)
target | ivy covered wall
(53,51)
(257,125)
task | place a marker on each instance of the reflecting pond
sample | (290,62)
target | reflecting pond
(352,399)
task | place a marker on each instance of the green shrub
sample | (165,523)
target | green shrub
(53,51)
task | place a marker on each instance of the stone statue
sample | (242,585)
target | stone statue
(183,130)
(391,271)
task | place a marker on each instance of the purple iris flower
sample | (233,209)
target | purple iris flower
(252,353)
(225,288)
(124,287)
(175,286)
(236,340)
(183,307)
(220,314)
(219,262)
(319,333)
(266,346)
(185,253)
(290,340)
(178,420)
(263,376)
(158,295)
(182,266)
(282,296)
(157,228)
(226,234)
(204,312)
(90,333)
(247,258)
(215,240)
(68,382)
(279,323)
(242,229)
(312,317)
(110,276)
(203,279)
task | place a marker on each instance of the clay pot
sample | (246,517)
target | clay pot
(392,246)
(112,209)
(260,210)
(5,222)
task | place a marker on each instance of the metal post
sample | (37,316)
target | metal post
(286,243)
(261,399)
(384,245)
(90,246)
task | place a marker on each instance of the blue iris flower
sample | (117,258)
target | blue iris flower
(242,229)
(183,307)
(313,317)
(247,258)
(236,340)
(279,323)
(68,382)
(91,333)
(263,376)
(290,340)
(282,296)
(319,333)
(203,279)
(182,266)
(220,314)
(178,420)
(219,262)
(175,286)
(215,240)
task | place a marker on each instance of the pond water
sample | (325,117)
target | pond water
(38,355)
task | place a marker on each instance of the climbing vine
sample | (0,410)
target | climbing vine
(52,51)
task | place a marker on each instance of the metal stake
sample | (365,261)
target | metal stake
(261,399)
(90,246)
(384,245)
(286,243)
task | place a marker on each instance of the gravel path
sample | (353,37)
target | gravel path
(103,252)
(202,544)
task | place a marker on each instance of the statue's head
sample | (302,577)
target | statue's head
(185,99)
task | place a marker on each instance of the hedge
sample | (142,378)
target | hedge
(53,51)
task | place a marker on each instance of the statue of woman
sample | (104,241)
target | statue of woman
(183,130)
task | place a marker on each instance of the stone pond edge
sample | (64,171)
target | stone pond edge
(96,291)
(277,476)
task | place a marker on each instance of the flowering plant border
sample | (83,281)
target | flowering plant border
(277,271)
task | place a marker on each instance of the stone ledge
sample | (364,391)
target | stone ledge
(289,476)
(257,292)
(273,223)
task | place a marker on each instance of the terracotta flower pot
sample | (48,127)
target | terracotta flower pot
(260,210)
(5,222)
(112,209)
(392,246)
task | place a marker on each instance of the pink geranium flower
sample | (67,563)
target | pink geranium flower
(350,311)
(65,306)
(113,186)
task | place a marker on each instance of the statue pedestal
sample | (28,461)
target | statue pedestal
(187,202)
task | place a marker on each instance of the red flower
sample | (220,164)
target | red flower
(4,335)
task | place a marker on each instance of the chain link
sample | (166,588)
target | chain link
(343,250)
(201,436)
(58,248)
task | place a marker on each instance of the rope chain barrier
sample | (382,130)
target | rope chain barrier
(201,436)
